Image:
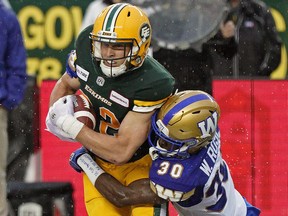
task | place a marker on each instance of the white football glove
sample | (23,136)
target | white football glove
(61,114)
(57,131)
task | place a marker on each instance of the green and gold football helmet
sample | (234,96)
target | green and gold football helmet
(124,24)
(186,123)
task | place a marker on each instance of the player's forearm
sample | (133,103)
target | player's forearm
(115,149)
(136,193)
(64,86)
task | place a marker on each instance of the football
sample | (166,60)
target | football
(84,112)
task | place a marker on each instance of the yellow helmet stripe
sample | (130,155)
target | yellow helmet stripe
(111,17)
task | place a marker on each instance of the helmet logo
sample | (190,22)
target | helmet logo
(145,32)
(209,125)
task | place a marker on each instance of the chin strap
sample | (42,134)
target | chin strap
(153,153)
(110,71)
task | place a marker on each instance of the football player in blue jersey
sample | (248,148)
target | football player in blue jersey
(187,167)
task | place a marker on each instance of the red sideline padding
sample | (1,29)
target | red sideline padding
(56,153)
(254,135)
(253,122)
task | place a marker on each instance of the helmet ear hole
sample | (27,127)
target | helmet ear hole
(196,112)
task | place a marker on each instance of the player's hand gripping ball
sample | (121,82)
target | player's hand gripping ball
(84,112)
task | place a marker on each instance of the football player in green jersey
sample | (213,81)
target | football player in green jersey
(125,86)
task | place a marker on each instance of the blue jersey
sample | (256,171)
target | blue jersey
(198,185)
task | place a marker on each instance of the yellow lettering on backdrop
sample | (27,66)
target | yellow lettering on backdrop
(279,20)
(52,67)
(32,65)
(31,20)
(65,35)
(281,70)
(40,33)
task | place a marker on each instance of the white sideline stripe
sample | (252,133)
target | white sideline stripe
(85,114)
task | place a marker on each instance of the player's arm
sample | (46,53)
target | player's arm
(66,85)
(117,149)
(120,148)
(136,193)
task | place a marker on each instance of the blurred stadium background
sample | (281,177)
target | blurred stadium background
(253,121)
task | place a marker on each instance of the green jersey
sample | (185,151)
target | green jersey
(140,90)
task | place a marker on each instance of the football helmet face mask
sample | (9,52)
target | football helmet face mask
(186,123)
(124,24)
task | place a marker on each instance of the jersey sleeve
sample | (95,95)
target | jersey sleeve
(157,86)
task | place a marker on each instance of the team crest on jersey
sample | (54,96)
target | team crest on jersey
(119,99)
(82,73)
(100,81)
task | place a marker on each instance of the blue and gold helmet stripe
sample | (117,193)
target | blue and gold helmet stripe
(187,102)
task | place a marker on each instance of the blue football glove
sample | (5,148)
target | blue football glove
(70,64)
(74,157)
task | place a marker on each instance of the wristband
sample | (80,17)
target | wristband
(90,167)
(70,125)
